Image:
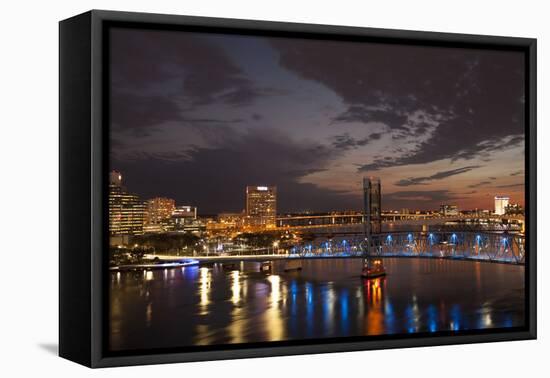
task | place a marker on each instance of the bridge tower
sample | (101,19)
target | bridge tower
(372,211)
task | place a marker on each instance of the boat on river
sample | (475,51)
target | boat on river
(373,268)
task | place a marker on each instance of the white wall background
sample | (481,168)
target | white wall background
(28,197)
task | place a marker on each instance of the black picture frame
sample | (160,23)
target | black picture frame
(83,141)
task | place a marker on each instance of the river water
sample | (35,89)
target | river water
(208,305)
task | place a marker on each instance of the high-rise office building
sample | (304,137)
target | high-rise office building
(159,210)
(261,206)
(500,204)
(126,211)
(372,198)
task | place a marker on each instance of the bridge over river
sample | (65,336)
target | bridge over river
(351,221)
(501,247)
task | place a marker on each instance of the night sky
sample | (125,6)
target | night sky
(197,117)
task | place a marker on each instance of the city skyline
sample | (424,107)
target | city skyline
(269,189)
(498,207)
(197,117)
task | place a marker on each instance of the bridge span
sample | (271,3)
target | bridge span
(465,245)
(311,223)
(355,218)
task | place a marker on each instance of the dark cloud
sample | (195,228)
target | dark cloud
(486,148)
(140,113)
(473,96)
(435,103)
(245,95)
(418,199)
(401,127)
(375,136)
(511,185)
(346,142)
(164,156)
(214,179)
(158,75)
(357,113)
(257,117)
(146,59)
(479,184)
(211,120)
(517,173)
(437,176)
(427,153)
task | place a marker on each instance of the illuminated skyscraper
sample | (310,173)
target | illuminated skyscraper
(500,204)
(261,206)
(159,210)
(126,211)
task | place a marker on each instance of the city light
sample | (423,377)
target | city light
(268,190)
(259,232)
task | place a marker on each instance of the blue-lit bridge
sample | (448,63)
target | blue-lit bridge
(466,245)
(485,246)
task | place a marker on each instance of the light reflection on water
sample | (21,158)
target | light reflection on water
(239,324)
(209,305)
(273,319)
(204,289)
(235,287)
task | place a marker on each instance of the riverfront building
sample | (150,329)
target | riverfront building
(261,207)
(185,219)
(159,210)
(500,204)
(126,211)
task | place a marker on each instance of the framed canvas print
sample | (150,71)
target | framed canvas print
(234,188)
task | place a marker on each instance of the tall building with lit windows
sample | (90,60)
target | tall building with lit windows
(126,211)
(261,207)
(159,210)
(500,204)
(185,219)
